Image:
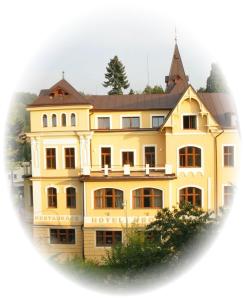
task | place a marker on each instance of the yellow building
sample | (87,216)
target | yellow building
(102,163)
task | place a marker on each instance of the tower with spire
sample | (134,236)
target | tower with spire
(177,80)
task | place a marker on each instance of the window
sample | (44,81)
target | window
(190,157)
(190,122)
(147,198)
(130,122)
(73,119)
(69,158)
(157,121)
(103,123)
(31,196)
(52,197)
(62,236)
(191,195)
(150,156)
(105,157)
(228,195)
(63,120)
(108,238)
(128,158)
(228,156)
(54,120)
(51,158)
(71,197)
(45,121)
(108,198)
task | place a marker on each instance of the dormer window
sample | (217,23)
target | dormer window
(190,122)
(54,120)
(73,119)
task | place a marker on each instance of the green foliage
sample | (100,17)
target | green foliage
(201,90)
(178,229)
(216,81)
(158,251)
(131,92)
(116,77)
(137,254)
(157,89)
(18,123)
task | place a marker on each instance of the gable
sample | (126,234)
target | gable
(190,104)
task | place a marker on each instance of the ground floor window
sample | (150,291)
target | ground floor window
(147,198)
(228,195)
(62,236)
(108,238)
(191,195)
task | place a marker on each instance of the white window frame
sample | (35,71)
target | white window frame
(57,120)
(105,229)
(223,193)
(63,156)
(143,154)
(191,185)
(128,150)
(145,187)
(194,169)
(156,115)
(130,116)
(46,194)
(189,114)
(76,120)
(105,187)
(45,114)
(58,227)
(103,116)
(45,157)
(66,114)
(112,151)
(223,155)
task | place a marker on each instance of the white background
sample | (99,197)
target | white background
(25,28)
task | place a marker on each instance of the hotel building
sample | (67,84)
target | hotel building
(102,163)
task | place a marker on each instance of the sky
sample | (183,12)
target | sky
(83,48)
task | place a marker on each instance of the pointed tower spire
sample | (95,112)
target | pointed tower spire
(177,80)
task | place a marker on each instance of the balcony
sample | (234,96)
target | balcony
(27,169)
(128,172)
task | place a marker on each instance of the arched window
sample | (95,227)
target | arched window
(63,120)
(190,157)
(71,197)
(54,120)
(108,198)
(73,119)
(45,121)
(147,198)
(52,197)
(190,195)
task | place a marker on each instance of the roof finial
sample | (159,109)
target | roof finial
(175,35)
(63,75)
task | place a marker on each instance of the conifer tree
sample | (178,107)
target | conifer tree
(116,77)
(216,81)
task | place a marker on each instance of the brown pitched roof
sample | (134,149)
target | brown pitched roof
(177,81)
(219,104)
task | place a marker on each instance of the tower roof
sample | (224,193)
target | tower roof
(177,81)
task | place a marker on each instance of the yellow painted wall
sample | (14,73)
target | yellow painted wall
(116,123)
(81,112)
(119,141)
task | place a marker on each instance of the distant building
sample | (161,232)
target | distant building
(103,163)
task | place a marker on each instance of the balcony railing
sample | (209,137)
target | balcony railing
(127,170)
(27,168)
